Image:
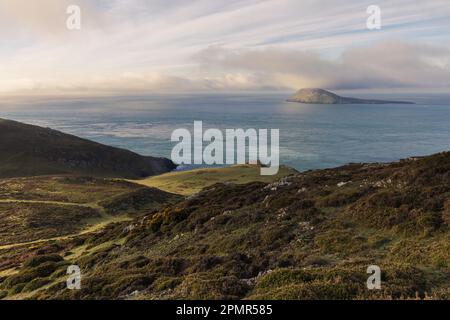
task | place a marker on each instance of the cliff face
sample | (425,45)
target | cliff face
(320,96)
(27,150)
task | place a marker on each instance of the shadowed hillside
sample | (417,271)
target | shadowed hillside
(27,150)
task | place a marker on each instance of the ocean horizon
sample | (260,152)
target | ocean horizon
(311,136)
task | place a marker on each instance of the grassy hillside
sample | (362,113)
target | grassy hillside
(192,181)
(307,236)
(27,150)
(35,209)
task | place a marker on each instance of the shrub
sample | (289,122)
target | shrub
(3,294)
(27,275)
(39,259)
(165,283)
(201,286)
(446,213)
(340,241)
(127,284)
(17,288)
(35,284)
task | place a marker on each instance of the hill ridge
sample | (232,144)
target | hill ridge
(29,150)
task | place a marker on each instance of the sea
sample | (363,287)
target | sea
(311,136)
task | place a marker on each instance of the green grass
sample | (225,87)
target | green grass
(192,181)
(70,189)
(37,208)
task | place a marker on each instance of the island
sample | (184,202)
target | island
(321,96)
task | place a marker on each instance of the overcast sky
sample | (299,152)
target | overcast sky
(145,46)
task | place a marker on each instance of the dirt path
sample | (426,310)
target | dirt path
(103,222)
(88,205)
(97,223)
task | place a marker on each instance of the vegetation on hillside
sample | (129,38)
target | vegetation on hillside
(310,235)
(28,150)
(192,181)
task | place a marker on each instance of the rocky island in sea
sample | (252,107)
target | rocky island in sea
(321,96)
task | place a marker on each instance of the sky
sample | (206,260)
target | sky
(153,46)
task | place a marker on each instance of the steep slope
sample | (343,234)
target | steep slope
(307,236)
(320,96)
(27,150)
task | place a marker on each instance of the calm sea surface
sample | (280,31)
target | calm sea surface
(311,136)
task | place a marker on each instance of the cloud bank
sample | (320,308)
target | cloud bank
(384,65)
(146,46)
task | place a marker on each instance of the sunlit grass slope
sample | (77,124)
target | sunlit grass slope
(192,181)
